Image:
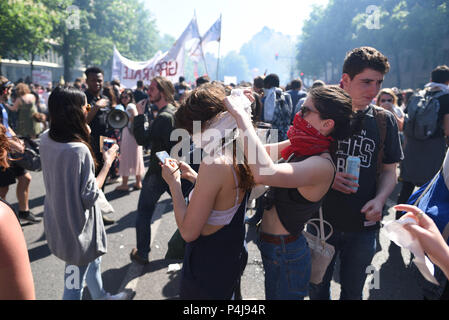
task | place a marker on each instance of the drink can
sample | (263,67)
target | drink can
(353,168)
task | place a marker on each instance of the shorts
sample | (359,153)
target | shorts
(8,176)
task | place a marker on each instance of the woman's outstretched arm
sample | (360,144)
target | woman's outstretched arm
(288,175)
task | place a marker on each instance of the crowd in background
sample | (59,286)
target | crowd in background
(28,109)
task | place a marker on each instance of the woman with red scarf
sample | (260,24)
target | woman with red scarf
(298,184)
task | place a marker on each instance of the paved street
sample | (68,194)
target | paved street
(155,281)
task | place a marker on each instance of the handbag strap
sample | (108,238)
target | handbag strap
(427,188)
(321,233)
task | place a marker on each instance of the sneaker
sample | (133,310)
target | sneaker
(136,258)
(119,296)
(28,216)
(107,221)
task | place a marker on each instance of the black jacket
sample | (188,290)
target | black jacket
(155,133)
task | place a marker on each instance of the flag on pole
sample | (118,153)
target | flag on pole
(213,34)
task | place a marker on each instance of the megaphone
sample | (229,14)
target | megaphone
(117,119)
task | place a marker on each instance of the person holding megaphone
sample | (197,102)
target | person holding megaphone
(131,155)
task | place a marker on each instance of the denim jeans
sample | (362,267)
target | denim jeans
(74,277)
(153,187)
(356,250)
(287,269)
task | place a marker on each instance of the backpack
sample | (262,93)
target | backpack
(282,115)
(422,121)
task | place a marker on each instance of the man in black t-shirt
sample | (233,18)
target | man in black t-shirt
(355,214)
(427,155)
(96,118)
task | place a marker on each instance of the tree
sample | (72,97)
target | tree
(260,53)
(70,24)
(234,64)
(25,27)
(326,37)
(87,31)
(123,23)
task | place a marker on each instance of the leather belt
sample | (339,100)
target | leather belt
(277,239)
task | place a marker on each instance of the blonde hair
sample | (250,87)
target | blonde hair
(22,89)
(388,91)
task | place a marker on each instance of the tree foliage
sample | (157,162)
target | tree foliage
(405,30)
(85,31)
(260,53)
(24,27)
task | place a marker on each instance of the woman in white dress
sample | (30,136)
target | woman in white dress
(131,155)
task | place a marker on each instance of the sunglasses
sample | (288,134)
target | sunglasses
(386,100)
(305,110)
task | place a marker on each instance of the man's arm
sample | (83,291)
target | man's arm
(102,103)
(141,134)
(387,181)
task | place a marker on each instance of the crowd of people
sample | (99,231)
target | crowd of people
(307,136)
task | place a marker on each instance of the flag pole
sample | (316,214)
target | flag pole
(202,54)
(219,45)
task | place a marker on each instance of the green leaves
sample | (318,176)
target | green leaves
(399,29)
(80,30)
(24,26)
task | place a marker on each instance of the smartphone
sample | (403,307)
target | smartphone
(162,155)
(108,142)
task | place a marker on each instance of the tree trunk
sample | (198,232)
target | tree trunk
(398,69)
(32,67)
(66,58)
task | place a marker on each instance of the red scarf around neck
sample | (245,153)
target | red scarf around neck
(305,139)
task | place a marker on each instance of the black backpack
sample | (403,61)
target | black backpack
(422,110)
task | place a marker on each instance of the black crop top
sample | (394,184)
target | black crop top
(292,208)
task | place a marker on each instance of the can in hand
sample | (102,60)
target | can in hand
(353,168)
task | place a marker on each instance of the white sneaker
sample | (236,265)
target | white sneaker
(119,296)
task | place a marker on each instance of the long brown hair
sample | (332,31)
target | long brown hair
(67,119)
(203,104)
(166,88)
(4,148)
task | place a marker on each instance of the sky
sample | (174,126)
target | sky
(241,19)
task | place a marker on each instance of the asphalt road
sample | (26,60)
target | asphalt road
(392,277)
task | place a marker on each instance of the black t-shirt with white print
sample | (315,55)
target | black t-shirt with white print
(342,210)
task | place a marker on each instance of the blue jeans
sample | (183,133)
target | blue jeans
(287,269)
(356,250)
(74,277)
(153,187)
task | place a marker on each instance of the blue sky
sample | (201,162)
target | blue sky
(241,19)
